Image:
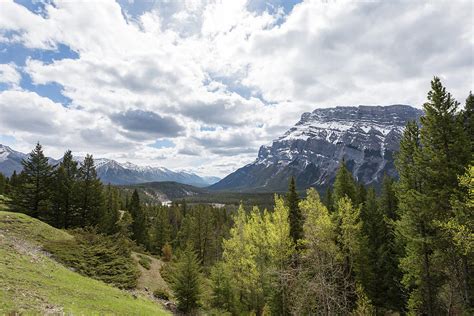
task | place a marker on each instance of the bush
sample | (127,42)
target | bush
(161,294)
(144,261)
(97,256)
(167,252)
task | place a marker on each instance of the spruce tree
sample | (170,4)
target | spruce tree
(65,186)
(90,199)
(34,193)
(139,225)
(110,215)
(187,280)
(429,162)
(468,118)
(344,185)
(295,216)
(3,184)
(390,251)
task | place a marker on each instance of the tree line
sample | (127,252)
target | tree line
(406,248)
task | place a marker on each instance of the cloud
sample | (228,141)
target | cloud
(245,70)
(9,75)
(148,123)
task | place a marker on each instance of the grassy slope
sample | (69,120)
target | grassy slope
(32,282)
(151,278)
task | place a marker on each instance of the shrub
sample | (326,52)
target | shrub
(144,261)
(167,252)
(97,256)
(161,294)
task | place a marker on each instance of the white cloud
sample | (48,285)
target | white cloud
(9,75)
(244,75)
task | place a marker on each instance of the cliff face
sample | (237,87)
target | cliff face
(366,137)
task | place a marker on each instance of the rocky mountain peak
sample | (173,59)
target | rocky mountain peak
(364,136)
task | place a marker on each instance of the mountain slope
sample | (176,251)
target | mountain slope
(166,191)
(111,171)
(32,283)
(366,137)
(10,160)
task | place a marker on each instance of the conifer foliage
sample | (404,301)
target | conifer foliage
(403,248)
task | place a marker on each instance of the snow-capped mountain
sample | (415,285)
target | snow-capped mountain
(366,137)
(10,160)
(111,171)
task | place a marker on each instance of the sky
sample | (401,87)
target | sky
(201,85)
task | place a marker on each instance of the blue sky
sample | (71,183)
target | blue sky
(203,84)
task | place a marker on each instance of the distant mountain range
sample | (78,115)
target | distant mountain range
(111,171)
(366,137)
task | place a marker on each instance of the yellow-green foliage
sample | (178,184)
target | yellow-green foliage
(33,283)
(257,251)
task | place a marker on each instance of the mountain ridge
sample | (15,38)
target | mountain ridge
(111,171)
(366,137)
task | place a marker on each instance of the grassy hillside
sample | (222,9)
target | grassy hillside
(32,282)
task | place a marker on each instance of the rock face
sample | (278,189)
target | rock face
(366,137)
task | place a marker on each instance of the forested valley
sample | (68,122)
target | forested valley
(406,247)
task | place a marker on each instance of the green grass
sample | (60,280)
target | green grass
(32,282)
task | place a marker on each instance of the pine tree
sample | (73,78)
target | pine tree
(34,193)
(187,280)
(90,202)
(344,185)
(295,217)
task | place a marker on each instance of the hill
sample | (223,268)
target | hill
(32,282)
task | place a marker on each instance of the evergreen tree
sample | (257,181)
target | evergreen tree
(460,234)
(391,295)
(295,217)
(373,226)
(139,225)
(344,185)
(187,280)
(90,202)
(65,180)
(3,184)
(329,200)
(34,193)
(162,229)
(110,215)
(429,163)
(468,118)
(223,289)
